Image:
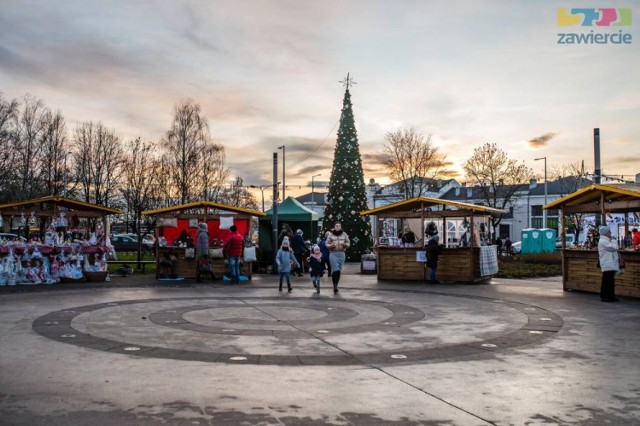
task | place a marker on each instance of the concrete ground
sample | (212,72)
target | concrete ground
(139,352)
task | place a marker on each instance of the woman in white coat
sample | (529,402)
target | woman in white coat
(609,263)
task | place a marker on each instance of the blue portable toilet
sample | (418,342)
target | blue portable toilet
(531,241)
(538,240)
(548,240)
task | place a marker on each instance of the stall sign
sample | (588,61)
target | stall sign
(170,222)
(421,256)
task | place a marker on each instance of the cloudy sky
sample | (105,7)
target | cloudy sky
(267,73)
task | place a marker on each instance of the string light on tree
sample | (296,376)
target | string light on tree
(346,195)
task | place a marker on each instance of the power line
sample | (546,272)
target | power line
(321,143)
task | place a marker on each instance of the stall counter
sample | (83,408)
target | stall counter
(581,273)
(186,267)
(454,265)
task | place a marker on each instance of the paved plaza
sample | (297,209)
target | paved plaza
(139,352)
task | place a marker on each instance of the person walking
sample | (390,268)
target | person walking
(507,246)
(297,244)
(202,252)
(635,239)
(284,259)
(316,267)
(232,250)
(325,252)
(433,251)
(337,243)
(609,263)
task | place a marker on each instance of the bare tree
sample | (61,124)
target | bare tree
(139,179)
(570,178)
(213,171)
(498,177)
(237,195)
(97,159)
(164,193)
(412,160)
(185,141)
(53,143)
(30,128)
(8,136)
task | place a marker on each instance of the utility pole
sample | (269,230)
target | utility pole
(284,181)
(274,211)
(544,211)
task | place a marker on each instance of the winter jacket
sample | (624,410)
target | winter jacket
(433,251)
(234,245)
(323,249)
(608,254)
(202,246)
(284,258)
(316,267)
(297,244)
(338,242)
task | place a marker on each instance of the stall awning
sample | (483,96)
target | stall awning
(425,202)
(40,204)
(616,196)
(292,210)
(201,205)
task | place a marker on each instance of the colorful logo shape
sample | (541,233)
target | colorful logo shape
(600,17)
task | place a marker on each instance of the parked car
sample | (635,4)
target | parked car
(11,237)
(516,248)
(127,243)
(570,239)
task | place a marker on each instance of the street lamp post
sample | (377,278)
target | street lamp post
(284,182)
(544,211)
(261,188)
(313,201)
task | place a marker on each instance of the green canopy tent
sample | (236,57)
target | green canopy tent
(294,214)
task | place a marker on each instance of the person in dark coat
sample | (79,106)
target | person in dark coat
(325,253)
(316,267)
(433,251)
(507,245)
(287,232)
(297,244)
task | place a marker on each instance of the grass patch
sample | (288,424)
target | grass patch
(530,265)
(130,258)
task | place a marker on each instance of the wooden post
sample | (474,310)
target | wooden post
(424,265)
(564,261)
(422,223)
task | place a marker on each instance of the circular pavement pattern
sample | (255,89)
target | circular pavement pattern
(281,330)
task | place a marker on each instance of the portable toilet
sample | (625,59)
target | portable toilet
(548,240)
(531,241)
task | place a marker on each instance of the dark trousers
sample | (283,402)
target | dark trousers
(608,286)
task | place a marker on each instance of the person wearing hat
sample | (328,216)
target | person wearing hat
(609,264)
(433,251)
(284,259)
(297,244)
(202,240)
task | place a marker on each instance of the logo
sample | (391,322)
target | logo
(602,17)
(605,20)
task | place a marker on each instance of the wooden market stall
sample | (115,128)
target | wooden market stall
(59,232)
(176,221)
(460,227)
(579,271)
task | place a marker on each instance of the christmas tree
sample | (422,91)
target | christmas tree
(346,197)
